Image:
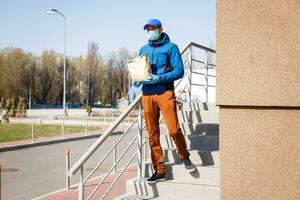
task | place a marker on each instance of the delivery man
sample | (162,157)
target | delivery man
(158,95)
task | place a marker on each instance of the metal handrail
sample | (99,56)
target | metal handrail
(111,169)
(79,164)
(112,148)
(115,164)
(120,174)
(109,151)
(182,90)
(193,44)
(211,75)
(197,73)
(101,139)
(199,61)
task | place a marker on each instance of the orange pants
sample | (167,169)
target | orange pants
(165,103)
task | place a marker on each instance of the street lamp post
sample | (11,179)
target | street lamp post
(53,11)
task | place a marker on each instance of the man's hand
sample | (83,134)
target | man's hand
(136,84)
(153,79)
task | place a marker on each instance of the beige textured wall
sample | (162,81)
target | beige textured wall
(260,154)
(258,91)
(255,37)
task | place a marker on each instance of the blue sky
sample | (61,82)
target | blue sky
(110,23)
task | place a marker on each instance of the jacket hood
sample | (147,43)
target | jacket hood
(164,39)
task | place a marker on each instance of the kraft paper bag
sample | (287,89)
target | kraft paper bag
(139,68)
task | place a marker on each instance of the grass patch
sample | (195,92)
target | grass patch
(14,132)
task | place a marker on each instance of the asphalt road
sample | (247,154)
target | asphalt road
(32,172)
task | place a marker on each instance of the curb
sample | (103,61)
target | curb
(50,193)
(30,145)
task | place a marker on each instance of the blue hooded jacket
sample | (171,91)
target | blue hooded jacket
(162,53)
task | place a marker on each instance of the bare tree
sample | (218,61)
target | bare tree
(46,75)
(39,79)
(93,67)
(111,78)
(28,79)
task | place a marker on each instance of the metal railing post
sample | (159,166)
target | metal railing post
(67,169)
(115,157)
(86,127)
(139,150)
(128,119)
(145,156)
(62,128)
(0,182)
(206,75)
(81,186)
(190,76)
(105,120)
(32,133)
(145,150)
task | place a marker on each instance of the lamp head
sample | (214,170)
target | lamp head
(52,11)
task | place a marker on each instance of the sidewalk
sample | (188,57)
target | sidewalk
(118,189)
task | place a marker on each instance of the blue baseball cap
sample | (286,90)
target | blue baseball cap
(152,22)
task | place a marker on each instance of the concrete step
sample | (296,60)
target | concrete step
(175,192)
(200,158)
(199,106)
(198,116)
(206,162)
(190,192)
(134,197)
(176,173)
(204,183)
(194,142)
(203,175)
(200,128)
(199,123)
(139,189)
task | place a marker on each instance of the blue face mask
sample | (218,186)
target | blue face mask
(153,35)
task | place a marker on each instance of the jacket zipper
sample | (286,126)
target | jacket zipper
(152,63)
(152,55)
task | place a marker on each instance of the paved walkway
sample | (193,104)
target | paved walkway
(117,190)
(32,172)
